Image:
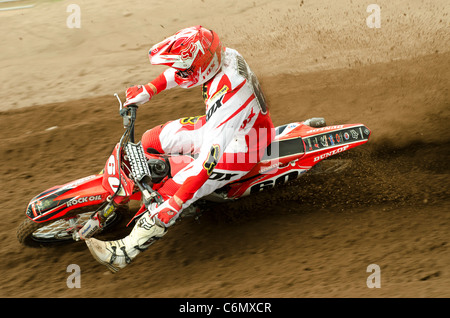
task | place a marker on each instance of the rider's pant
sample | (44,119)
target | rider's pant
(184,136)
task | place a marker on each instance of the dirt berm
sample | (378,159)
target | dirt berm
(314,237)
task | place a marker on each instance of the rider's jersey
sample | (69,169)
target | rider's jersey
(236,122)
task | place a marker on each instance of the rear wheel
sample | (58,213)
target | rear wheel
(46,234)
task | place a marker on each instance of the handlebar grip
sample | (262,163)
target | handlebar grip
(133,110)
(130,109)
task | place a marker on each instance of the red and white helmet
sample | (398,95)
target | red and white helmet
(195,52)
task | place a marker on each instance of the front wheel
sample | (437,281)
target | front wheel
(46,234)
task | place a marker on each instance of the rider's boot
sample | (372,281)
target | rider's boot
(118,254)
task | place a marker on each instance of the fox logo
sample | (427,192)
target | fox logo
(191,51)
(211,162)
(188,53)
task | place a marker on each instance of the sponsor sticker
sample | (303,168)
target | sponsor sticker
(212,159)
(325,129)
(346,136)
(331,153)
(84,200)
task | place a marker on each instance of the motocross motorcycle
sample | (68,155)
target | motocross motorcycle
(63,212)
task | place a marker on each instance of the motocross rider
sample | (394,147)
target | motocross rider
(229,139)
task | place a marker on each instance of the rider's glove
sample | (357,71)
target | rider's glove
(167,212)
(138,95)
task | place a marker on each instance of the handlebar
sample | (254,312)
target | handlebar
(130,119)
(128,114)
(130,111)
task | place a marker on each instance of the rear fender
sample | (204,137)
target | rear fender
(296,150)
(57,202)
(322,143)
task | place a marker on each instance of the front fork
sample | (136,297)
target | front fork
(95,222)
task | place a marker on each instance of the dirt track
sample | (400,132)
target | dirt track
(314,238)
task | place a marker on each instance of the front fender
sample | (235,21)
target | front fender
(57,202)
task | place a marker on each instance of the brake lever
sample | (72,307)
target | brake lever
(123,111)
(127,113)
(120,102)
